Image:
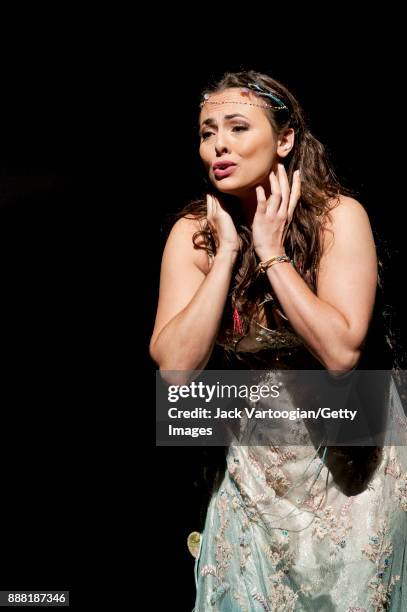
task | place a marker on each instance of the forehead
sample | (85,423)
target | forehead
(231,101)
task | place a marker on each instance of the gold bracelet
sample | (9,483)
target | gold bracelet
(264,265)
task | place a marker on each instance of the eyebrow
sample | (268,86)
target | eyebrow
(211,121)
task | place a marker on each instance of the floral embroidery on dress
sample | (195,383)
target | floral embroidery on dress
(282,598)
(223,553)
(262,600)
(248,503)
(277,481)
(379,551)
(401,489)
(250,561)
(244,546)
(280,555)
(327,523)
(254,461)
(257,466)
(239,599)
(273,476)
(403,425)
(209,570)
(394,470)
(275,458)
(400,420)
(279,456)
(236,476)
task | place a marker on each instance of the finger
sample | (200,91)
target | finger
(210,217)
(261,200)
(210,208)
(216,205)
(208,205)
(285,190)
(275,198)
(221,207)
(295,194)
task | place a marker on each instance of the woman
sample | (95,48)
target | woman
(277,269)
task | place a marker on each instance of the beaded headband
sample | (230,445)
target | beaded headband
(260,91)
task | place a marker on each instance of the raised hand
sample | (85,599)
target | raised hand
(273,215)
(222,226)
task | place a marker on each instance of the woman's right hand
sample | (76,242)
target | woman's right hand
(222,226)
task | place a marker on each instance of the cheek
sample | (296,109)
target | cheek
(204,154)
(259,148)
(260,158)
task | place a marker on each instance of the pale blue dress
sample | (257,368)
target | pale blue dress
(280,535)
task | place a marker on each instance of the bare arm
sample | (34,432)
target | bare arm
(191,302)
(334,323)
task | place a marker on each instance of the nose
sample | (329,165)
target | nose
(220,144)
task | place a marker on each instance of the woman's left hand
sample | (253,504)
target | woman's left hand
(273,215)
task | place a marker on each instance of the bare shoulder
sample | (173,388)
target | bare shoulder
(185,225)
(345,207)
(347,217)
(181,241)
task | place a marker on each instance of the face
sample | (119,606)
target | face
(238,133)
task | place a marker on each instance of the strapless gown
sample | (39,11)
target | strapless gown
(282,535)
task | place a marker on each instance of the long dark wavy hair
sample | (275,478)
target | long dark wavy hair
(320,193)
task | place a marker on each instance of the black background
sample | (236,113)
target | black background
(352,94)
(65,219)
(46,243)
(87,180)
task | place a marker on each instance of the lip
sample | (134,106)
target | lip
(223,164)
(221,173)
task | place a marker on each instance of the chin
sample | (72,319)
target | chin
(231,191)
(229,186)
(236,190)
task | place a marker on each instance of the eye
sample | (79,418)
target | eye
(239,128)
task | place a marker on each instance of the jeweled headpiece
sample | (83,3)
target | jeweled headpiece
(260,91)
